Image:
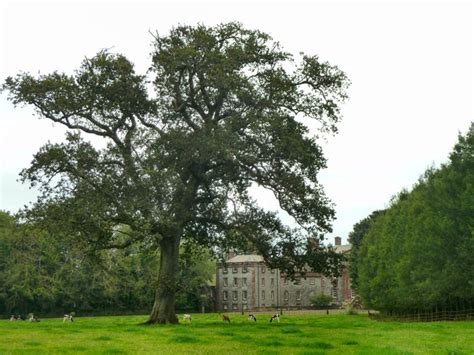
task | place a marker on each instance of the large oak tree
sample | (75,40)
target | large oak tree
(222,109)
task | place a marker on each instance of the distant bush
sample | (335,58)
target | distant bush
(351,311)
(321,301)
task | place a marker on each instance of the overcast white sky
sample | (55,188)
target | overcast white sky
(411,67)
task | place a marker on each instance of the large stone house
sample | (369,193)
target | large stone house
(244,282)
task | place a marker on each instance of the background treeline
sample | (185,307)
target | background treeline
(48,275)
(418,254)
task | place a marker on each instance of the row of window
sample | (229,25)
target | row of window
(312,281)
(244,282)
(235,295)
(235,269)
(235,307)
(225,295)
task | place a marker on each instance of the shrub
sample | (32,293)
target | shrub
(351,311)
(321,300)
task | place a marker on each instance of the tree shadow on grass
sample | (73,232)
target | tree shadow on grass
(114,351)
(350,342)
(186,339)
(32,343)
(291,330)
(103,338)
(132,330)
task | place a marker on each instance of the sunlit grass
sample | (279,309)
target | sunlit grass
(295,334)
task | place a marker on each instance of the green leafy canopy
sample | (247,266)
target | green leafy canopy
(221,108)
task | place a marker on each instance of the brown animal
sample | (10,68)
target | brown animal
(225,318)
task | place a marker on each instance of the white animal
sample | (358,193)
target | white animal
(68,317)
(275,317)
(33,318)
(187,317)
(252,317)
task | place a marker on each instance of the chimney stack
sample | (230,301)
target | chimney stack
(313,243)
(337,240)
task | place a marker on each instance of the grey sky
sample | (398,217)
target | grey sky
(411,67)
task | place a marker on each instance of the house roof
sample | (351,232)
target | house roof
(246,259)
(342,248)
(249,258)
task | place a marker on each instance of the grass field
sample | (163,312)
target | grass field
(295,334)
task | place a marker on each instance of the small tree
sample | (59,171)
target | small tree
(228,112)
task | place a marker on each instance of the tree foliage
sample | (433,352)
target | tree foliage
(356,236)
(227,111)
(418,254)
(50,275)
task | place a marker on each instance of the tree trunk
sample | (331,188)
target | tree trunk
(163,311)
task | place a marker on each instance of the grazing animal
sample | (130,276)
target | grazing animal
(275,317)
(12,318)
(33,318)
(69,317)
(187,317)
(252,317)
(225,318)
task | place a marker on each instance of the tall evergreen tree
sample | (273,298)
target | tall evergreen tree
(417,256)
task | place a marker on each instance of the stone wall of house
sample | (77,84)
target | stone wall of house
(250,285)
(235,286)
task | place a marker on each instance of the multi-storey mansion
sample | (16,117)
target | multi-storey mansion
(245,283)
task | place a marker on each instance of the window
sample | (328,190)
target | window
(312,281)
(234,306)
(272,282)
(224,307)
(334,292)
(234,295)
(244,295)
(285,281)
(244,281)
(263,295)
(235,269)
(236,281)
(298,281)
(224,270)
(224,295)
(263,281)
(273,295)
(298,295)
(286,296)
(226,281)
(244,268)
(263,269)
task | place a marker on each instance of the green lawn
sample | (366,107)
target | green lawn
(295,334)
